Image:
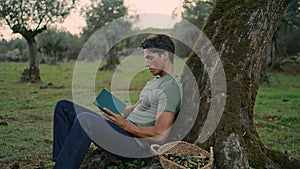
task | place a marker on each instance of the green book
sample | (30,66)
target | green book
(109,101)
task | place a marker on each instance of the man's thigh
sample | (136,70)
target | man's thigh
(108,135)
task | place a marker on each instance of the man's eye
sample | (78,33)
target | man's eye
(149,58)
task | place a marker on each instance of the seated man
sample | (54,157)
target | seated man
(130,133)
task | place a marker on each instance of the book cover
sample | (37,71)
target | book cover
(108,100)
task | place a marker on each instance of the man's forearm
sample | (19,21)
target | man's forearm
(157,133)
(129,109)
(150,133)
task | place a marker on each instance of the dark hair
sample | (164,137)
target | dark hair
(159,43)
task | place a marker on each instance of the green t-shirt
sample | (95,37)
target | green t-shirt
(160,94)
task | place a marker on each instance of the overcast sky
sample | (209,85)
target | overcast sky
(75,22)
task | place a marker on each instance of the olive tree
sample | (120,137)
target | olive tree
(30,18)
(241,32)
(97,15)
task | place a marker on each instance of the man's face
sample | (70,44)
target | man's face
(154,62)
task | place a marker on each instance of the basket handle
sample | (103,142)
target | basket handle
(211,155)
(154,148)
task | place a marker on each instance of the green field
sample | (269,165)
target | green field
(26,111)
(277,112)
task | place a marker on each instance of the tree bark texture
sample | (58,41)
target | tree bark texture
(32,73)
(112,58)
(241,32)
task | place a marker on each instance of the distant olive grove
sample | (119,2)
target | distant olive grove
(54,45)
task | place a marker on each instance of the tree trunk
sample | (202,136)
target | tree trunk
(98,158)
(112,58)
(275,65)
(32,73)
(267,60)
(240,31)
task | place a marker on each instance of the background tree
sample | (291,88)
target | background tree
(3,49)
(287,38)
(240,31)
(98,14)
(196,12)
(53,43)
(14,50)
(21,46)
(74,47)
(29,18)
(285,42)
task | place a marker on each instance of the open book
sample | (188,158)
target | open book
(109,101)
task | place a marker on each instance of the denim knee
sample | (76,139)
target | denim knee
(63,102)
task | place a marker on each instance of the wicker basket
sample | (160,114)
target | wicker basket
(180,148)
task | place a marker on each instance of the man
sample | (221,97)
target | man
(130,133)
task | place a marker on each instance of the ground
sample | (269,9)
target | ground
(26,111)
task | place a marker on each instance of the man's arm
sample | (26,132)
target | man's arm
(157,133)
(125,113)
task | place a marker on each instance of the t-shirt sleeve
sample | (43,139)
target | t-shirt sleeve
(169,98)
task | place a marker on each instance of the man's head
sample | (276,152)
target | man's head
(159,43)
(159,53)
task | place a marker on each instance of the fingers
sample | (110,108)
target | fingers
(112,116)
(109,114)
(108,111)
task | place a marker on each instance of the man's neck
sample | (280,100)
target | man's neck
(169,69)
(163,73)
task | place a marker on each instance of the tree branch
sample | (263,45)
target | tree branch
(37,31)
(9,25)
(41,18)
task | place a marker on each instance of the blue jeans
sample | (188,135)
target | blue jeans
(73,133)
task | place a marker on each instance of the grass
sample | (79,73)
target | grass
(26,110)
(27,113)
(277,113)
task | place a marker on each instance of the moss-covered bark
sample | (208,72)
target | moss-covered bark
(241,32)
(98,158)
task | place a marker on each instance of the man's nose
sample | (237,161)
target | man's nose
(147,63)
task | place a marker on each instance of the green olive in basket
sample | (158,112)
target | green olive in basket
(188,161)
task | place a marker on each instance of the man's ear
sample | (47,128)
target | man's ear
(165,56)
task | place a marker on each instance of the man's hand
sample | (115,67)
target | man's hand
(115,118)
(129,109)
